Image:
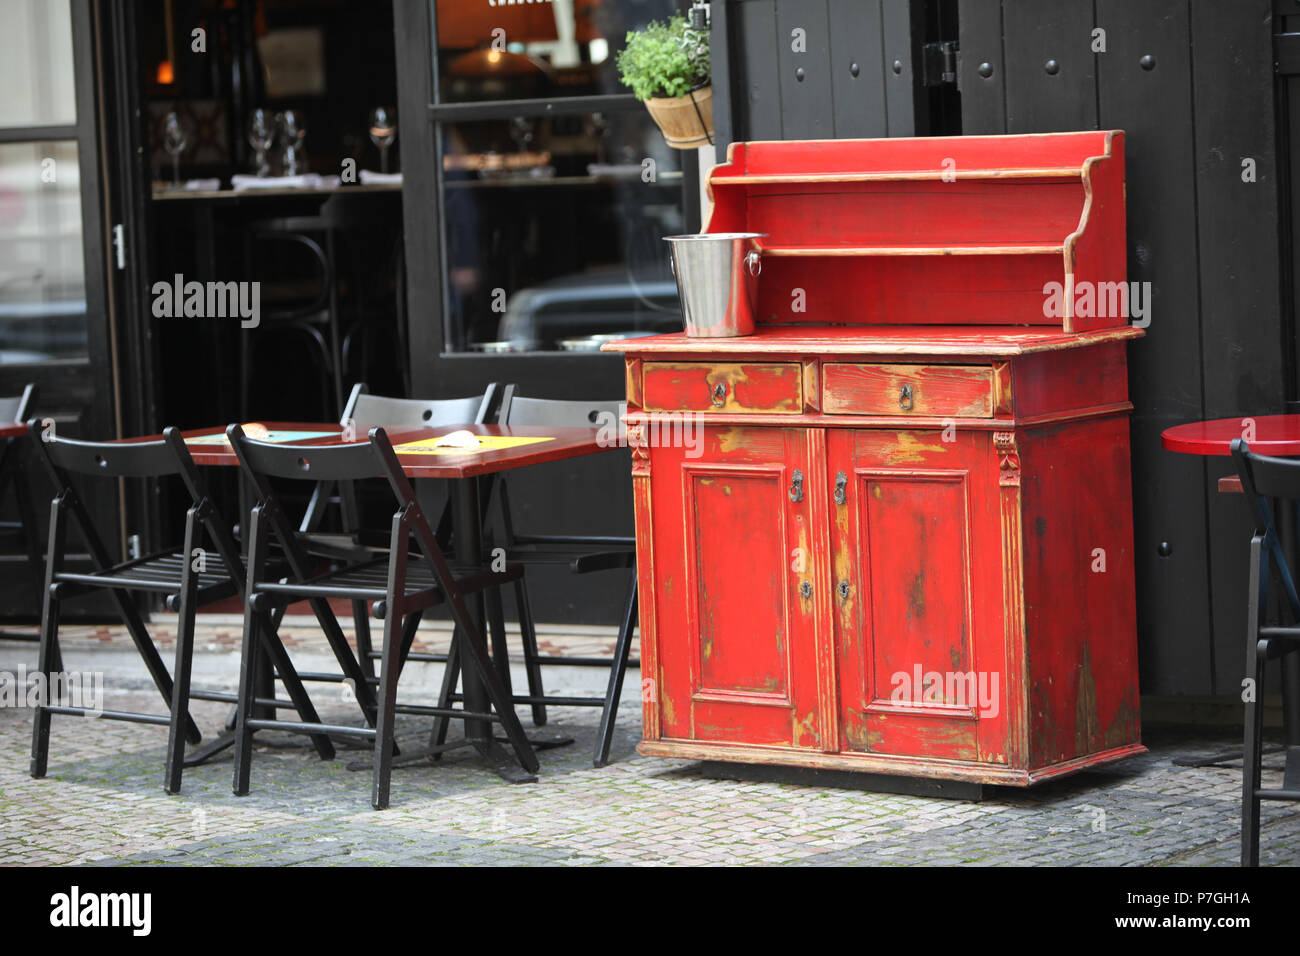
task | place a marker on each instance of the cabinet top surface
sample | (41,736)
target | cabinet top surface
(972,341)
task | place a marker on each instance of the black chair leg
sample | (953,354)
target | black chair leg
(44,663)
(279,659)
(1252,758)
(528,636)
(408,638)
(389,670)
(248,663)
(135,626)
(608,714)
(361,621)
(180,688)
(450,678)
(496,616)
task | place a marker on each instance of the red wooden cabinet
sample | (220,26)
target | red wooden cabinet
(887,535)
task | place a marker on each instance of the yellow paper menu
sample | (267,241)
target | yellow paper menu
(428,446)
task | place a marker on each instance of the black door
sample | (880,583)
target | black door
(55,323)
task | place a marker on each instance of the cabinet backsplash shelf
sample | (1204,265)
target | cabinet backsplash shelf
(1023,235)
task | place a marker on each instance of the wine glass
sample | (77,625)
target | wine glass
(292,133)
(383,130)
(174,141)
(521,131)
(261,134)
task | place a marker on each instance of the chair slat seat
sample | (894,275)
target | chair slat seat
(161,572)
(369,581)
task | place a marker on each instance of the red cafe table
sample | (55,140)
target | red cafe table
(1279,436)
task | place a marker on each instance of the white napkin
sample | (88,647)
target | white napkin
(457,439)
(369,178)
(189,186)
(306,181)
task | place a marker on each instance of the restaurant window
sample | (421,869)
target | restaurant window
(42,265)
(555,186)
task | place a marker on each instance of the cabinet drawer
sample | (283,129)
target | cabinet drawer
(772,387)
(962,391)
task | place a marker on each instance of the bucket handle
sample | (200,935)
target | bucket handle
(754,263)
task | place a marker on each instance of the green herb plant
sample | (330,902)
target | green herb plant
(666,59)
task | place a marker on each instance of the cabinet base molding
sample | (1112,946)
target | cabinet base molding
(886,765)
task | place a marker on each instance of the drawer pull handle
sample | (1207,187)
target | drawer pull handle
(841,486)
(719,394)
(796,487)
(905,398)
(805,589)
(844,590)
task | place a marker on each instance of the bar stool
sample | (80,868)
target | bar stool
(316,318)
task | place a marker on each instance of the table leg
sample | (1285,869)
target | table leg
(468,536)
(467,533)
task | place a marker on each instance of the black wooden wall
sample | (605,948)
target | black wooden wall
(843,84)
(1191,83)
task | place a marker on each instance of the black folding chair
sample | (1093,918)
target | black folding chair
(583,555)
(188,578)
(362,411)
(402,583)
(1262,478)
(14,409)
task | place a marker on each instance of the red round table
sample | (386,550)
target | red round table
(1277,435)
(1274,435)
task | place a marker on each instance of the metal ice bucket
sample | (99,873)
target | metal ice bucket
(717,281)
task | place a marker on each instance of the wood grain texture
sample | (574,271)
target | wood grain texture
(822,339)
(774,387)
(960,391)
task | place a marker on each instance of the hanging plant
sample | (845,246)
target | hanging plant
(666,65)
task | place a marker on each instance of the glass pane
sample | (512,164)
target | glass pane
(553,48)
(36,64)
(42,271)
(554,231)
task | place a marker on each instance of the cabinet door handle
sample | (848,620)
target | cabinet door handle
(844,590)
(805,589)
(905,398)
(719,394)
(796,487)
(841,488)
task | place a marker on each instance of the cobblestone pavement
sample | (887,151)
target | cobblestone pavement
(102,801)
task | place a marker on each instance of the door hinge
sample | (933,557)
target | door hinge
(939,63)
(119,245)
(1286,54)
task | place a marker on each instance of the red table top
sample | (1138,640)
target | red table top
(1273,435)
(563,443)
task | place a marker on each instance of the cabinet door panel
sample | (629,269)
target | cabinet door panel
(920,640)
(739,660)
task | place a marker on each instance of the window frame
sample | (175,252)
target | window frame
(435,371)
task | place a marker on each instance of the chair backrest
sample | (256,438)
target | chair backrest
(143,459)
(1264,477)
(556,413)
(13,408)
(366,410)
(349,462)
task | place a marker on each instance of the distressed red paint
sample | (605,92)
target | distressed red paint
(920,480)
